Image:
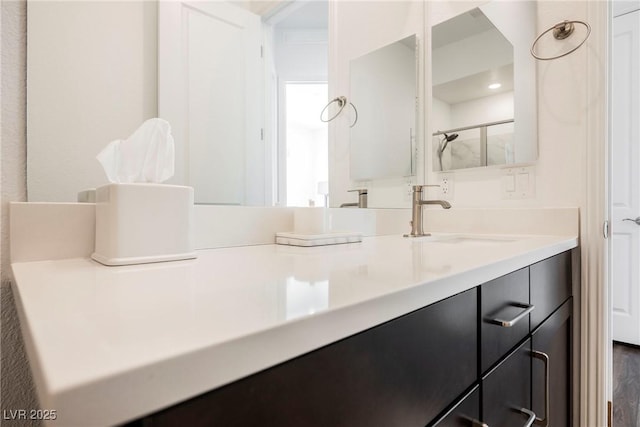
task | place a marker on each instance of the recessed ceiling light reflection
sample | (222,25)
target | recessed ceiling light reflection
(494,85)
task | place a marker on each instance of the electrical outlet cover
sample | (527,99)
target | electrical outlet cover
(446,187)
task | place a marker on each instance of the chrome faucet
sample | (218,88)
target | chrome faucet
(416,210)
(362,199)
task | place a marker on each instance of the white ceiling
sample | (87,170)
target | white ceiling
(303,14)
(475,86)
(459,28)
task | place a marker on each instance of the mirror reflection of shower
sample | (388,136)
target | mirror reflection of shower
(485,144)
(443,145)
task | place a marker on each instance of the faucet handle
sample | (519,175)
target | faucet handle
(359,190)
(421,186)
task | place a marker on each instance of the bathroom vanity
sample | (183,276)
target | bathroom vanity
(390,331)
(409,371)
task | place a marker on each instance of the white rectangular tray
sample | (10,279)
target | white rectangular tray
(334,238)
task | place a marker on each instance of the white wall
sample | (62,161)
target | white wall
(356,28)
(482,110)
(469,56)
(301,54)
(78,106)
(16,386)
(562,122)
(440,115)
(514,21)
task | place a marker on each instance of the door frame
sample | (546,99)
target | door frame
(595,314)
(608,328)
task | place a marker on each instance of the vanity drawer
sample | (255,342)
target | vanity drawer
(402,373)
(504,304)
(553,341)
(465,412)
(506,391)
(550,286)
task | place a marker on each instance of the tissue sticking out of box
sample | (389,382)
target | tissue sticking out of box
(146,156)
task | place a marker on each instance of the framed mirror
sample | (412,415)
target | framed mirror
(383,92)
(484,88)
(219,72)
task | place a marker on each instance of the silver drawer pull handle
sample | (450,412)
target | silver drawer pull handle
(509,323)
(532,416)
(544,422)
(637,220)
(476,423)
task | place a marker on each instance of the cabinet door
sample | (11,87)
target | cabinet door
(402,373)
(465,413)
(504,303)
(551,346)
(550,286)
(506,391)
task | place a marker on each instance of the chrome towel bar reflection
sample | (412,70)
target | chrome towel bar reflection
(342,102)
(499,122)
(561,31)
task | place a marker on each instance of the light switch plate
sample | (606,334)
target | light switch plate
(518,182)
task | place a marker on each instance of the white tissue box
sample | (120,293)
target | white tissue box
(142,223)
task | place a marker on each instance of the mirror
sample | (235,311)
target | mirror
(215,70)
(484,109)
(383,92)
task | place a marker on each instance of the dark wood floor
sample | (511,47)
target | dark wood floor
(626,385)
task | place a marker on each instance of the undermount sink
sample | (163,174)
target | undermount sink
(472,239)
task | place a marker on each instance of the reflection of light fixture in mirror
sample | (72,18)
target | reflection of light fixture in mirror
(323,189)
(443,144)
(494,86)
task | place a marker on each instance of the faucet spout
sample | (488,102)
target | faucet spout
(416,210)
(443,203)
(362,199)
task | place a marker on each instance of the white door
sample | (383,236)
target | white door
(625,171)
(210,90)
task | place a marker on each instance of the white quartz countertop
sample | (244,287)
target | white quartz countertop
(110,344)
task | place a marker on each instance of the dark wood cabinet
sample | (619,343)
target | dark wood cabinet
(462,361)
(402,373)
(552,344)
(503,299)
(509,384)
(506,390)
(550,286)
(464,413)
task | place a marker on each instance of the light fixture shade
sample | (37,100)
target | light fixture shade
(323,187)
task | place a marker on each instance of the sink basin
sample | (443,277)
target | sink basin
(459,239)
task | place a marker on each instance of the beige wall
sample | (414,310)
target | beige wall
(16,388)
(401,19)
(560,171)
(92,76)
(564,97)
